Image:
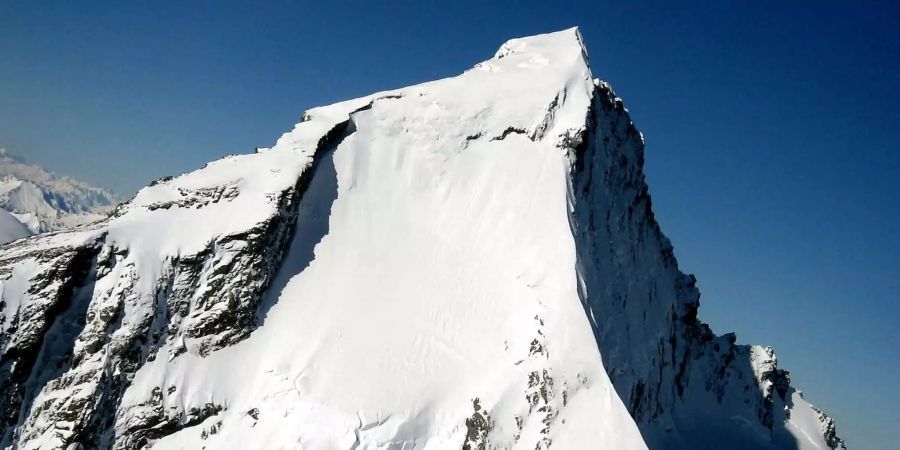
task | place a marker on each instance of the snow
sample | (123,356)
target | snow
(437,279)
(11,228)
(44,201)
(437,271)
(14,291)
(474,104)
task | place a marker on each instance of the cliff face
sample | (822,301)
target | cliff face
(468,263)
(684,385)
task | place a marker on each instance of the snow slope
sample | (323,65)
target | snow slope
(44,201)
(10,228)
(439,266)
(430,299)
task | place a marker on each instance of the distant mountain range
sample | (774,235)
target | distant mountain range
(39,201)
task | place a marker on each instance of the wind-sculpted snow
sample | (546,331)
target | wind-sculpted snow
(467,263)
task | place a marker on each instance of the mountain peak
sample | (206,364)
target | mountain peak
(44,201)
(468,263)
(555,43)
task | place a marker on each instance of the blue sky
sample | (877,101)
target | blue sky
(773,134)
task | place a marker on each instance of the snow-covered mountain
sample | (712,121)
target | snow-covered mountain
(45,202)
(11,228)
(467,263)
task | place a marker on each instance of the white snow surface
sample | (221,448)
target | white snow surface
(11,228)
(439,272)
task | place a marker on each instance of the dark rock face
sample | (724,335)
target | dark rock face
(24,333)
(477,428)
(667,366)
(207,299)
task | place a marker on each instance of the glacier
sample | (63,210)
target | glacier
(467,263)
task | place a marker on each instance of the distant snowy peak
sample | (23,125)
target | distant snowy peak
(44,201)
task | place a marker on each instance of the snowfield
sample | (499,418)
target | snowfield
(467,263)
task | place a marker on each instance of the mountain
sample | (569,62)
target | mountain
(10,227)
(467,263)
(46,202)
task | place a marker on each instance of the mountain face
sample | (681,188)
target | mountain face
(10,227)
(467,263)
(44,202)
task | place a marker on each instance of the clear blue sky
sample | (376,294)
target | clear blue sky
(773,134)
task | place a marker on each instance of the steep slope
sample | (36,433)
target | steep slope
(10,228)
(685,386)
(43,201)
(459,264)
